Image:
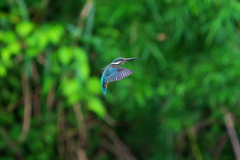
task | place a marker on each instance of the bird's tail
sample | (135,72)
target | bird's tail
(104,88)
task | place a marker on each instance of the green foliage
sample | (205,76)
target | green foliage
(187,71)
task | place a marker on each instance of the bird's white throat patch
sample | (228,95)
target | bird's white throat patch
(116,62)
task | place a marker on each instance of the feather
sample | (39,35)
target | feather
(120,74)
(103,69)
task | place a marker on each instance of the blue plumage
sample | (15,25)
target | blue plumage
(114,73)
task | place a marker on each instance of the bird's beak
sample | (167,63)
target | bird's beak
(129,59)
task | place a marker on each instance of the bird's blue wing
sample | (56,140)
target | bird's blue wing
(120,74)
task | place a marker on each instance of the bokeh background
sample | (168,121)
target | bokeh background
(182,102)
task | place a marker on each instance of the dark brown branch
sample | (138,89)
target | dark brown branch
(82,132)
(50,98)
(27,107)
(220,146)
(35,74)
(61,127)
(36,102)
(11,107)
(80,120)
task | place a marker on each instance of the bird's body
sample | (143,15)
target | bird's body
(114,73)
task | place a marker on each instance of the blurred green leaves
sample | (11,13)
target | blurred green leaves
(93,85)
(56,65)
(65,55)
(96,106)
(71,88)
(23,29)
(187,68)
(81,66)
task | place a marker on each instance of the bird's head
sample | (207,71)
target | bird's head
(119,61)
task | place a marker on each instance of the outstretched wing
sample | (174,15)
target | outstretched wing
(120,74)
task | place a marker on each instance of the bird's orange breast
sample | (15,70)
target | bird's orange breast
(106,85)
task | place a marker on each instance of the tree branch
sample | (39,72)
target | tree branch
(194,146)
(231,132)
(11,144)
(27,108)
(120,149)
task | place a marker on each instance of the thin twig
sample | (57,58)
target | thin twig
(80,120)
(50,98)
(23,9)
(60,124)
(12,106)
(194,146)
(120,149)
(11,144)
(71,149)
(220,146)
(68,134)
(231,132)
(35,73)
(82,131)
(195,128)
(36,102)
(109,120)
(81,21)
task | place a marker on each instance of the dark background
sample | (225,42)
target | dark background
(180,103)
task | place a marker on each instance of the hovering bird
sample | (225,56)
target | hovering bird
(114,73)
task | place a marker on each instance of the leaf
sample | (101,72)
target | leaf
(81,65)
(161,90)
(54,33)
(6,118)
(9,37)
(3,71)
(93,85)
(33,52)
(65,55)
(95,105)
(24,28)
(71,88)
(5,55)
(47,84)
(14,47)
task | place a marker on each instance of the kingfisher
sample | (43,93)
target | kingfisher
(114,73)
